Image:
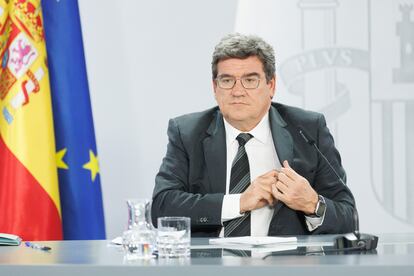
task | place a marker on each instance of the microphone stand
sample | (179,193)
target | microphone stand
(350,241)
(356,239)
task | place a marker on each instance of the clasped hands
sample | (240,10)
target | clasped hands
(285,185)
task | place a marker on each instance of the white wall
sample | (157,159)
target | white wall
(149,61)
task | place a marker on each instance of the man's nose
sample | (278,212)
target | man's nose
(238,89)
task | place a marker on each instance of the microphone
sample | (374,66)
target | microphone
(350,241)
(311,142)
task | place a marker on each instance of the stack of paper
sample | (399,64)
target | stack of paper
(9,239)
(256,244)
(254,241)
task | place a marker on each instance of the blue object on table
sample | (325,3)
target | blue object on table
(37,246)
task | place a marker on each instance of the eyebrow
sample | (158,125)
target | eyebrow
(251,74)
(246,75)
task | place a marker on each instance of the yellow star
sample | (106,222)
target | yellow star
(92,165)
(59,159)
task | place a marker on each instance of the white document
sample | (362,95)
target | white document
(263,248)
(253,241)
(9,239)
(117,241)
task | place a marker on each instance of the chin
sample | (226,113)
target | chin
(238,117)
(237,112)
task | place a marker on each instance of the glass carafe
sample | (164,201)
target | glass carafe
(139,239)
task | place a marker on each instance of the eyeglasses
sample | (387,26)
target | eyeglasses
(248,82)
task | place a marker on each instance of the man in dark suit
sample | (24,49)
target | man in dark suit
(243,168)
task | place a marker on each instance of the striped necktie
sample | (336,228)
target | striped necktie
(239,181)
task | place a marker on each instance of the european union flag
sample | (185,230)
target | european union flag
(79,182)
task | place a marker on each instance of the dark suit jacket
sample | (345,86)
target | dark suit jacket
(192,178)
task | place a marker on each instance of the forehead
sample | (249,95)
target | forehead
(239,67)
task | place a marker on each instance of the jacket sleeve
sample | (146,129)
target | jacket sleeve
(173,195)
(340,203)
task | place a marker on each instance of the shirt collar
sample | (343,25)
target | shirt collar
(261,132)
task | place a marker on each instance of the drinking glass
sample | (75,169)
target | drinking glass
(173,237)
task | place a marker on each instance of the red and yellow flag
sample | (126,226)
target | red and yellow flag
(29,193)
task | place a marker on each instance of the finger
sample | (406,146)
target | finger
(267,186)
(263,183)
(277,194)
(264,196)
(268,197)
(289,171)
(268,179)
(282,187)
(272,173)
(285,179)
(277,174)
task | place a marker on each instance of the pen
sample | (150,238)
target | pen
(37,246)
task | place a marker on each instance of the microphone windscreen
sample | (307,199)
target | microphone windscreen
(308,139)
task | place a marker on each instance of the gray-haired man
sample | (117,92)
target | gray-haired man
(242,168)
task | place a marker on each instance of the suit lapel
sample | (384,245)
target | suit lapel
(281,137)
(283,143)
(215,154)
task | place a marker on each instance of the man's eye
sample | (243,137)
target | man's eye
(250,80)
(226,80)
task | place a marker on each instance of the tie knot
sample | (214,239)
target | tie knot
(243,138)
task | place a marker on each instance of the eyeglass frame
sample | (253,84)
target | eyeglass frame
(217,79)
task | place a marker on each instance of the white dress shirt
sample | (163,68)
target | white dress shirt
(263,158)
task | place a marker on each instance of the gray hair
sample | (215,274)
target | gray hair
(243,46)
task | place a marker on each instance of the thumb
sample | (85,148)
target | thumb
(286,164)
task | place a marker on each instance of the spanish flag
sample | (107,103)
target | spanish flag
(49,170)
(29,193)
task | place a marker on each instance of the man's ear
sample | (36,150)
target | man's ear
(272,84)
(214,87)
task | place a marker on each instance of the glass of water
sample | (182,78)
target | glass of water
(173,237)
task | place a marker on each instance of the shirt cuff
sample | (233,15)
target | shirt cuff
(314,222)
(231,207)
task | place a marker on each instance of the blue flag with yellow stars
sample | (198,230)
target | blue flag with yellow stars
(76,154)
